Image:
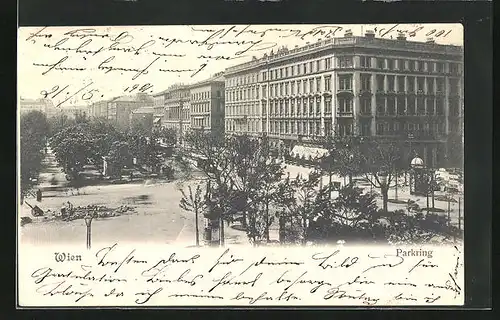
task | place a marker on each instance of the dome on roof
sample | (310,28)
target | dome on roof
(417,162)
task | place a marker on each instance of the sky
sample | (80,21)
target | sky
(82,65)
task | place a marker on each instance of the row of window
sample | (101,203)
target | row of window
(242,80)
(393,83)
(200,108)
(313,127)
(397,128)
(364,62)
(323,64)
(390,83)
(384,106)
(204,95)
(176,114)
(409,65)
(404,105)
(249,126)
(250,93)
(200,122)
(177,95)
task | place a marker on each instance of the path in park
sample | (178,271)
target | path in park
(158,219)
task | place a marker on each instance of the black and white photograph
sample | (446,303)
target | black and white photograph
(352,137)
(226,136)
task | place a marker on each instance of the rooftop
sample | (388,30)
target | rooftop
(173,87)
(218,77)
(35,101)
(134,98)
(351,41)
(143,110)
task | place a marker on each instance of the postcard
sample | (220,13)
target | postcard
(240,166)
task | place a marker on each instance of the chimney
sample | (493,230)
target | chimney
(430,40)
(370,34)
(348,33)
(401,36)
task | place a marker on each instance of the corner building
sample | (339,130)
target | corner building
(352,86)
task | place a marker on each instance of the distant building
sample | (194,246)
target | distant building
(177,109)
(207,104)
(119,109)
(158,109)
(98,109)
(43,105)
(73,111)
(142,118)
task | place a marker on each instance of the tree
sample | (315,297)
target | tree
(33,129)
(58,123)
(302,205)
(352,215)
(417,228)
(119,156)
(214,162)
(195,202)
(73,148)
(344,156)
(379,159)
(103,134)
(168,135)
(242,171)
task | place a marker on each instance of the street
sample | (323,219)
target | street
(157,217)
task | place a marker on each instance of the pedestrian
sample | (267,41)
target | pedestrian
(39,195)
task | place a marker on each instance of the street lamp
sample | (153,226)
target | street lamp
(417,165)
(88,222)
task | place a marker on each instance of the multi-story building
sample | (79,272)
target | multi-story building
(73,111)
(45,106)
(177,107)
(352,86)
(158,109)
(99,109)
(207,104)
(119,109)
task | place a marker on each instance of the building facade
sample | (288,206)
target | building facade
(352,86)
(158,109)
(119,109)
(177,109)
(45,106)
(98,109)
(73,111)
(207,104)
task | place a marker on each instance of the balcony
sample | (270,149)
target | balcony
(365,114)
(365,92)
(344,114)
(345,91)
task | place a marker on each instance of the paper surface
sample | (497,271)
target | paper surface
(135,275)
(146,258)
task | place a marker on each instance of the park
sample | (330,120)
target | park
(140,186)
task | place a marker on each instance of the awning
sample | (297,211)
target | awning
(308,152)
